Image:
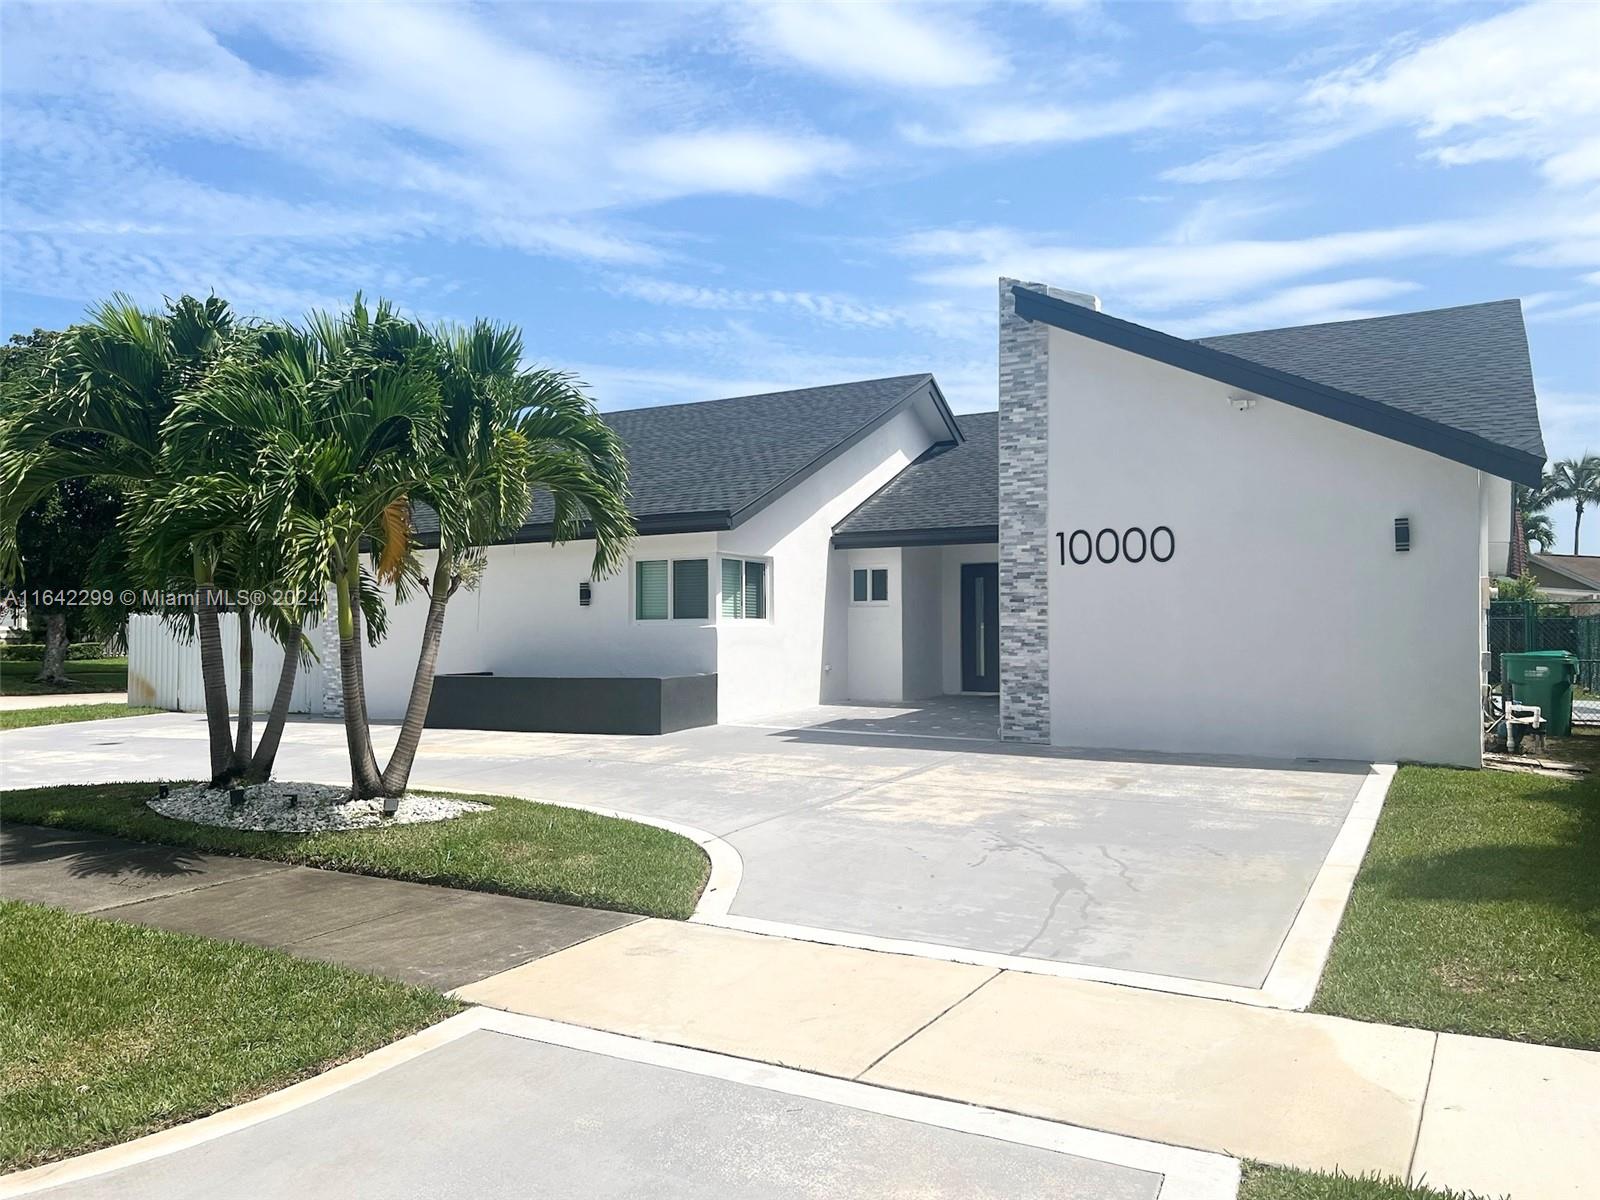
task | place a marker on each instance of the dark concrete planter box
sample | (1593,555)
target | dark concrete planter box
(556,704)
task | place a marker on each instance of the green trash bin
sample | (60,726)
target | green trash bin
(1545,678)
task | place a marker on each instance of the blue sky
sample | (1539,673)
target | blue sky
(689,201)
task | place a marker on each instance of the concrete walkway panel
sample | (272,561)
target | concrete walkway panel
(798,1004)
(1310,1091)
(84,872)
(1506,1117)
(496,1117)
(435,936)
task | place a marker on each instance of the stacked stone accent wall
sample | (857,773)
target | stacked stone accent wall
(328,637)
(1024,537)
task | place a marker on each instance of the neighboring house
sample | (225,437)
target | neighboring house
(1567,576)
(1155,544)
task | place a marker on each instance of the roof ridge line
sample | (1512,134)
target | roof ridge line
(817,387)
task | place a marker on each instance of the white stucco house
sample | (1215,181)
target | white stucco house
(1274,543)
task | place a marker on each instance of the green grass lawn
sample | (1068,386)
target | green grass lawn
(520,848)
(112,1030)
(24,718)
(1262,1182)
(1477,909)
(87,675)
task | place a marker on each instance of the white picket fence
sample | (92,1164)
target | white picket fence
(164,669)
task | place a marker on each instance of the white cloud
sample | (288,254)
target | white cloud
(1033,123)
(1160,276)
(750,161)
(1521,84)
(1306,304)
(1216,12)
(944,319)
(885,44)
(1260,159)
(432,122)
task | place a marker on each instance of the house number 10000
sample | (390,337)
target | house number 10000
(1108,545)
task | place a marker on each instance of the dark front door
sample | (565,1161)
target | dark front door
(980,627)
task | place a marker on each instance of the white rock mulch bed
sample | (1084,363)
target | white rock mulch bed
(316,808)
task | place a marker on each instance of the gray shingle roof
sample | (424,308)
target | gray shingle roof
(698,466)
(1466,367)
(952,491)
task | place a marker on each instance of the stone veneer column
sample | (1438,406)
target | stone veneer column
(1024,515)
(332,690)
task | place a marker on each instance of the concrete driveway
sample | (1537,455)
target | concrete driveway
(907,823)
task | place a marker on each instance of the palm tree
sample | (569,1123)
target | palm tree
(1578,480)
(98,411)
(505,433)
(1536,528)
(321,438)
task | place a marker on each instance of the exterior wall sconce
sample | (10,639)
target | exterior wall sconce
(585,594)
(1402,534)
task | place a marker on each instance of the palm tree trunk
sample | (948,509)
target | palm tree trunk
(213,678)
(245,736)
(272,732)
(398,772)
(365,780)
(53,666)
(1577,527)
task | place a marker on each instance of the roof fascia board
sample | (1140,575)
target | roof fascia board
(944,535)
(923,387)
(651,526)
(1348,408)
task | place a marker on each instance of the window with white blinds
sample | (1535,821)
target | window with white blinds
(679,587)
(732,587)
(691,589)
(650,589)
(744,588)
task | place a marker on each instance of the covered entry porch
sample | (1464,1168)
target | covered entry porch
(921,621)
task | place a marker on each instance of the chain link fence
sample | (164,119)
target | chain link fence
(1517,625)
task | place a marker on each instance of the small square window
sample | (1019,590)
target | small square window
(869,585)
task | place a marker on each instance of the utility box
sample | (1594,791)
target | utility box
(1544,678)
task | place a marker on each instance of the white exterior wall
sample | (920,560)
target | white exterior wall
(1285,624)
(877,644)
(164,670)
(797,656)
(524,619)
(921,622)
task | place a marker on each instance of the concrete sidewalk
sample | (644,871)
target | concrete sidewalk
(1298,1088)
(13,703)
(438,937)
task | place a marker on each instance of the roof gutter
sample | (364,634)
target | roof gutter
(943,535)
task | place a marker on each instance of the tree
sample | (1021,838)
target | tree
(67,540)
(319,439)
(1578,480)
(1536,528)
(98,411)
(505,432)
